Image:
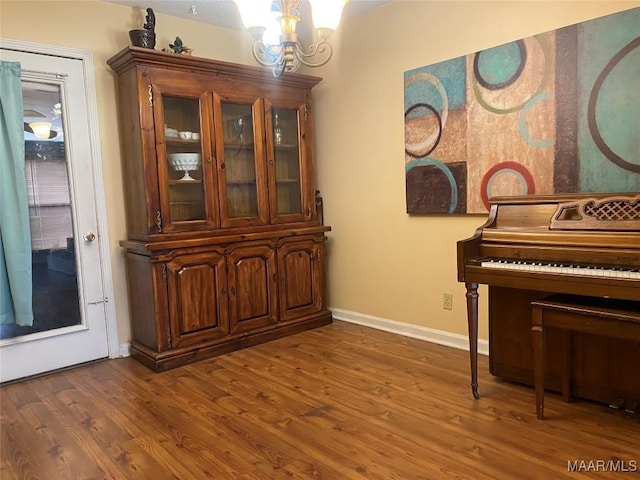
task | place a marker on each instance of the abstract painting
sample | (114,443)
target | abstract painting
(553,113)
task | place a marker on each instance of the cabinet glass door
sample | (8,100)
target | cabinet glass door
(182,161)
(288,198)
(241,162)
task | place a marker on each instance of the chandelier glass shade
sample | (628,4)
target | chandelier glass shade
(283,52)
(41,129)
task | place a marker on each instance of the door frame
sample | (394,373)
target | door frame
(86,57)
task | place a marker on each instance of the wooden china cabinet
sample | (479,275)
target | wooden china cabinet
(224,249)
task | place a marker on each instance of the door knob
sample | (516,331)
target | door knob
(89,237)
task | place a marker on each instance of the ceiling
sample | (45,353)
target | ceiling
(224,13)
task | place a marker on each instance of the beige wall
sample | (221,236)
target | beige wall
(381,261)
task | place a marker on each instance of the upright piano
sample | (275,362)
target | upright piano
(533,246)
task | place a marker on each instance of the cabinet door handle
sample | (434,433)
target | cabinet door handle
(222,166)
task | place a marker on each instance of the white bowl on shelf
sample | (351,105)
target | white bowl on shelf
(184,162)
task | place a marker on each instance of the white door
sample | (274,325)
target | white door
(71,311)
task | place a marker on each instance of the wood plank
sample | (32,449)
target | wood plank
(339,402)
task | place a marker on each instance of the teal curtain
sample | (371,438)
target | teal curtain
(15,239)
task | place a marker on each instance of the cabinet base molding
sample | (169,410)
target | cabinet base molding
(160,362)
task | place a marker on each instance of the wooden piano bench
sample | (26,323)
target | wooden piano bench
(574,313)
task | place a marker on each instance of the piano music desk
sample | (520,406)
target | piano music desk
(599,316)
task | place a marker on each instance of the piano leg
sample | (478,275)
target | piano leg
(472,318)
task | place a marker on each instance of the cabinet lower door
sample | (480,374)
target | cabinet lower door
(197,298)
(252,288)
(301,269)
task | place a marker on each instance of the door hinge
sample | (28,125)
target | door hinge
(150,96)
(159,221)
(169,337)
(164,273)
(306,113)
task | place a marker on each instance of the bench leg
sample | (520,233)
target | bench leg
(537,336)
(566,365)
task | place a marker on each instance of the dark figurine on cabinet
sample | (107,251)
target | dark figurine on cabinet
(145,37)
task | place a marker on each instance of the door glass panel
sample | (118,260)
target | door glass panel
(184,158)
(287,161)
(239,160)
(51,216)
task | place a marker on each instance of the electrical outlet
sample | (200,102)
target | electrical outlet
(447,301)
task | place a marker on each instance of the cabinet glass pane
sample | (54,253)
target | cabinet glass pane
(239,160)
(184,158)
(287,161)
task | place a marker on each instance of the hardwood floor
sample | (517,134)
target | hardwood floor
(338,402)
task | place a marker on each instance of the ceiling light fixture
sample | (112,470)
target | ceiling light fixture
(287,54)
(41,129)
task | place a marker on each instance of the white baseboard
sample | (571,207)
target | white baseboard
(440,337)
(410,330)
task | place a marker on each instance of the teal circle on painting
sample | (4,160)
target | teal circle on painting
(500,66)
(613,138)
(522,124)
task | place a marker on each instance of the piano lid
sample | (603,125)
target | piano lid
(596,215)
(618,213)
(520,227)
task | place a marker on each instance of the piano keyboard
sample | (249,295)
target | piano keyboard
(557,268)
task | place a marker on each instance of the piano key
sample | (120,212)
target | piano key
(562,269)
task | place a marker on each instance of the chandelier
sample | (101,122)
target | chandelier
(284,53)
